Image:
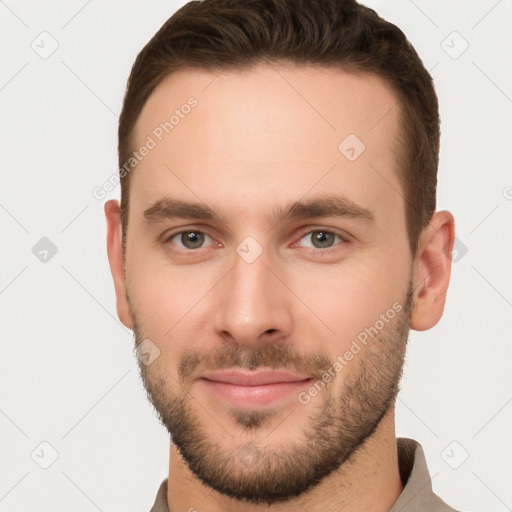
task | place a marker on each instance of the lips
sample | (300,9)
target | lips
(251,378)
(247,390)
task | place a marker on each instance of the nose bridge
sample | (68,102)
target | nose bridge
(252,300)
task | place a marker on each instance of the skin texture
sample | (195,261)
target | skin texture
(257,140)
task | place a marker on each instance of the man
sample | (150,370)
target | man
(276,240)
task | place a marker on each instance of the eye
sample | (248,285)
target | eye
(194,239)
(321,239)
(191,239)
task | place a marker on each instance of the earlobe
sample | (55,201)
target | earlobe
(432,269)
(116,260)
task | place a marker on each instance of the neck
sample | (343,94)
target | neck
(368,481)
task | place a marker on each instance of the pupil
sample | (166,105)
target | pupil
(192,240)
(324,239)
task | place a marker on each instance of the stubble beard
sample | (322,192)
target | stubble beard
(338,426)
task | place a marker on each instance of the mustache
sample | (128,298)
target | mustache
(276,355)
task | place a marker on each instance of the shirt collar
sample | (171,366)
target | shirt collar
(417,494)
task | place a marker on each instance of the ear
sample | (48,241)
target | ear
(432,269)
(116,260)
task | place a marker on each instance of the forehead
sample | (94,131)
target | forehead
(275,129)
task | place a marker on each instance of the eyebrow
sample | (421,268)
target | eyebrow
(323,206)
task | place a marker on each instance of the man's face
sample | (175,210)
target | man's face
(249,290)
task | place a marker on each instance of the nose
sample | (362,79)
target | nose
(253,304)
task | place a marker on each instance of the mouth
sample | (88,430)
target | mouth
(246,389)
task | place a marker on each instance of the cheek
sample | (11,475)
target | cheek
(345,303)
(149,293)
(167,299)
(349,298)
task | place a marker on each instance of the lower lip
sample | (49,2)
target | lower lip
(247,396)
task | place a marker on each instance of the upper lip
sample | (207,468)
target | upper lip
(251,378)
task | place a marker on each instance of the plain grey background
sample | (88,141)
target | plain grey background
(69,378)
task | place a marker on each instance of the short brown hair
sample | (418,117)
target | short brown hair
(235,35)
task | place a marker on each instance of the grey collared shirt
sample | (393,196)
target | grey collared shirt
(417,495)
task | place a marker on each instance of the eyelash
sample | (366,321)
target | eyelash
(328,250)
